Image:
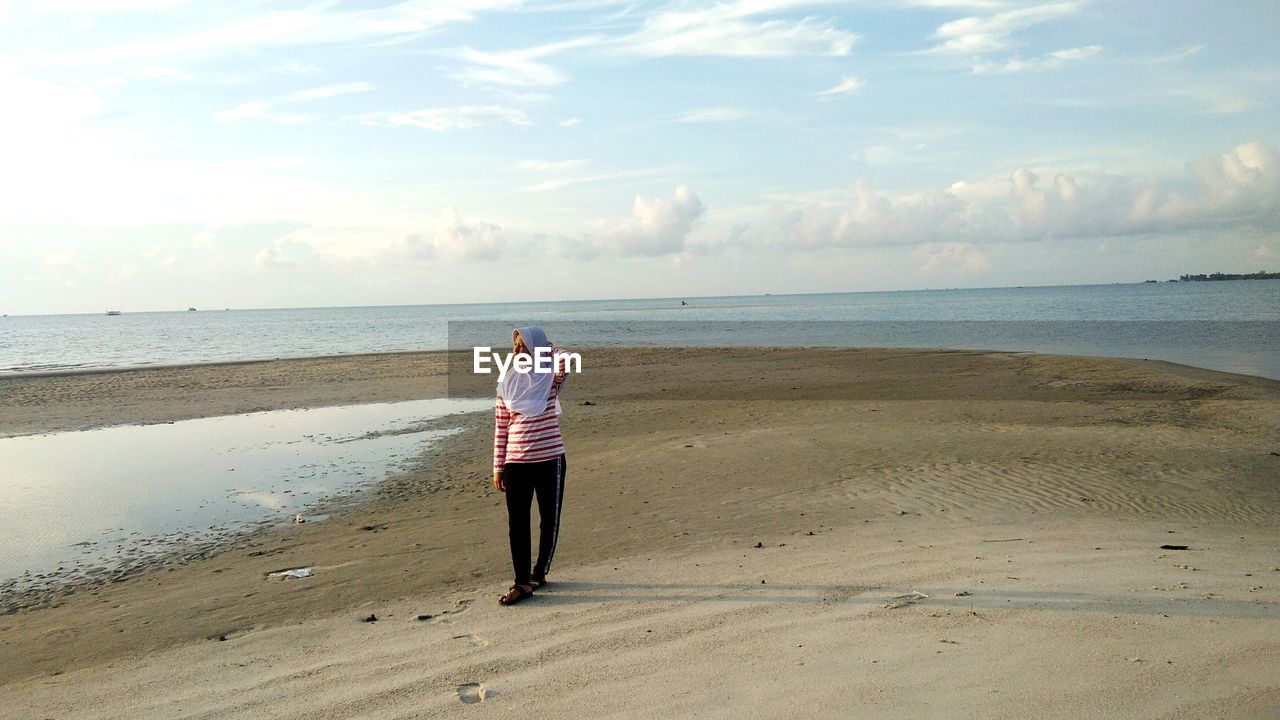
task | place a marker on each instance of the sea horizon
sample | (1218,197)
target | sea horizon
(617,299)
(1197,324)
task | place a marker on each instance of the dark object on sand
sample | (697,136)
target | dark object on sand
(759,545)
(371,618)
(1173,547)
(588,402)
(424,618)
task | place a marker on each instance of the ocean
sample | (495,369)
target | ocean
(1232,326)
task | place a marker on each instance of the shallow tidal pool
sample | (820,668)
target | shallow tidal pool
(95,498)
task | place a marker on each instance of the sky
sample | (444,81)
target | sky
(160,154)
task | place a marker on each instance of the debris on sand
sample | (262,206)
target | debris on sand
(1173,547)
(910,598)
(371,619)
(292,573)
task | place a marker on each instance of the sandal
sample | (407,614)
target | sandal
(538,582)
(514,595)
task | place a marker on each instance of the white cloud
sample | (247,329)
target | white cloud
(1051,61)
(961,4)
(449,118)
(1217,98)
(328,91)
(733,29)
(160,72)
(1175,56)
(550,165)
(1078,53)
(520,68)
(291,118)
(102,175)
(243,111)
(950,257)
(391,246)
(285,253)
(271,259)
(317,24)
(848,84)
(558,183)
(880,154)
(657,226)
(516,96)
(991,33)
(125,271)
(177,74)
(570,122)
(346,247)
(34,105)
(507,69)
(82,8)
(715,114)
(866,218)
(59,258)
(258,109)
(1263,252)
(1240,188)
(456,238)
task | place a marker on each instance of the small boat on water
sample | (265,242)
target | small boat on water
(113,312)
(191,309)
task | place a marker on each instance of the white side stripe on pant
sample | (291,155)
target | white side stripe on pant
(555,532)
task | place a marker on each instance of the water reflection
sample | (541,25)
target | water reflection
(75,499)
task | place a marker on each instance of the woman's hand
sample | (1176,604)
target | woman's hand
(499,483)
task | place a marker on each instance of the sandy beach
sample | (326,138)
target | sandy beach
(764,533)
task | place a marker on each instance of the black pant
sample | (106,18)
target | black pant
(524,480)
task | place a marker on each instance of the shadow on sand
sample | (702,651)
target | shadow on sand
(574,593)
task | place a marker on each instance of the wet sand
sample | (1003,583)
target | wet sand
(761,533)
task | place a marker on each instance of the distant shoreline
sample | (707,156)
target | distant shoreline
(1213,277)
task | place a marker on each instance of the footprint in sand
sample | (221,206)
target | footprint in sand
(472,693)
(475,640)
(458,608)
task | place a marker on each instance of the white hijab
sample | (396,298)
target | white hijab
(527,393)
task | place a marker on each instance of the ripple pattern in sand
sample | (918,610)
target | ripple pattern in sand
(1193,494)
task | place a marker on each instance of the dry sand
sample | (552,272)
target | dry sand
(940,534)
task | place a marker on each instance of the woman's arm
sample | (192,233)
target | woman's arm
(561,372)
(501,423)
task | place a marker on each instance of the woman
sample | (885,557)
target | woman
(528,460)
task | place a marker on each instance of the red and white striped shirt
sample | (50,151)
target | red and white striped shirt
(528,438)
